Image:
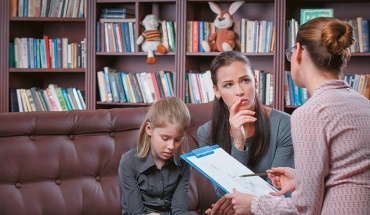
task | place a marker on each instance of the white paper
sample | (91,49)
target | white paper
(224,170)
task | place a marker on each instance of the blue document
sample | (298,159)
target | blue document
(225,171)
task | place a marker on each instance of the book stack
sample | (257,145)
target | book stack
(135,87)
(117,13)
(53,98)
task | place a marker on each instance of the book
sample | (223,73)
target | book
(73,98)
(106,71)
(214,163)
(163,28)
(365,34)
(156,87)
(310,13)
(151,86)
(113,20)
(121,90)
(54,97)
(14,105)
(20,103)
(146,87)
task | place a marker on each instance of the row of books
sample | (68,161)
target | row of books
(294,95)
(265,89)
(168,29)
(48,8)
(47,53)
(361,34)
(199,87)
(257,36)
(196,32)
(138,87)
(291,33)
(251,35)
(359,83)
(116,35)
(53,98)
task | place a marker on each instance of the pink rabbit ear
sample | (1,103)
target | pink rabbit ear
(215,8)
(235,6)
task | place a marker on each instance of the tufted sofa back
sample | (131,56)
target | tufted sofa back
(67,162)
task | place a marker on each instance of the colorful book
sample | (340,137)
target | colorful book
(311,13)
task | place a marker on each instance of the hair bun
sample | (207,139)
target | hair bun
(337,36)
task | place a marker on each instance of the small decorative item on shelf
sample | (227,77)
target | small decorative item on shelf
(150,39)
(224,39)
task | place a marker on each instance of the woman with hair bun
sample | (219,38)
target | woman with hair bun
(330,133)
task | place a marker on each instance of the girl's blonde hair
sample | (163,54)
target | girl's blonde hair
(164,112)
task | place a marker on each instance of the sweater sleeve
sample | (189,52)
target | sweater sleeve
(203,133)
(308,134)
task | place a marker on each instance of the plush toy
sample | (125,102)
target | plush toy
(224,39)
(151,38)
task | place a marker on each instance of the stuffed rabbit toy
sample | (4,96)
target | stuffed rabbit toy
(151,38)
(224,39)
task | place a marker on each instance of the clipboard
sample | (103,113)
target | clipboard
(224,171)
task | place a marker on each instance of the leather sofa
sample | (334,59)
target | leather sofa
(66,162)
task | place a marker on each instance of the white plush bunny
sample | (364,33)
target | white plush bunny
(224,39)
(151,38)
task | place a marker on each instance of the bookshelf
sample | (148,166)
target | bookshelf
(179,61)
(345,10)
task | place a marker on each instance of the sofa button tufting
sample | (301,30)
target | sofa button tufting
(112,134)
(18,185)
(72,137)
(32,137)
(97,178)
(58,182)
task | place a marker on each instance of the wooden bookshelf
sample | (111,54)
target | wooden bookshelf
(179,61)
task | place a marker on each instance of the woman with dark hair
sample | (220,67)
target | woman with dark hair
(330,133)
(256,135)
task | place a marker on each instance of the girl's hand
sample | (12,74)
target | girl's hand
(222,206)
(239,119)
(241,202)
(283,178)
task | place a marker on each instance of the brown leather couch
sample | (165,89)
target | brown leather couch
(67,162)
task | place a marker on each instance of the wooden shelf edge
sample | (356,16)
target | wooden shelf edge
(46,19)
(48,70)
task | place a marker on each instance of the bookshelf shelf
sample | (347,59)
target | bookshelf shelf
(46,19)
(48,70)
(180,61)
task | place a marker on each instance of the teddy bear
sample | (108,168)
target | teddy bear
(151,38)
(224,39)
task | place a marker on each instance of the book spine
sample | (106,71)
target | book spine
(107,82)
(365,34)
(113,85)
(195,36)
